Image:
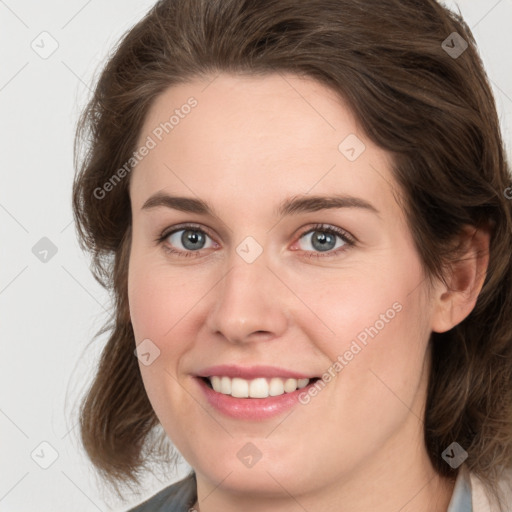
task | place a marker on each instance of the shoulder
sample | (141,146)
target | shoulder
(178,497)
(482,502)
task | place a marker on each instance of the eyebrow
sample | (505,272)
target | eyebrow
(290,206)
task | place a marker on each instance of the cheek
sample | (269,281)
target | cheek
(158,310)
(157,298)
(154,311)
(377,340)
(379,305)
(380,361)
(162,301)
(147,305)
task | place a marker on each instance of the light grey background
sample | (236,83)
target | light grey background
(51,310)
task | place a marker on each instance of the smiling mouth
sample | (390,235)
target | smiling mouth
(259,387)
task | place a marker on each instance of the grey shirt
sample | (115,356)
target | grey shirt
(181,496)
(178,497)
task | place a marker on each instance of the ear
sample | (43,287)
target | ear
(455,300)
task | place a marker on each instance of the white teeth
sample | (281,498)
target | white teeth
(276,387)
(290,385)
(239,388)
(302,383)
(258,388)
(255,388)
(225,385)
(215,381)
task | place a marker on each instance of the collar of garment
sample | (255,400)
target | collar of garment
(461,498)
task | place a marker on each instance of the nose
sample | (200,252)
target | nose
(249,304)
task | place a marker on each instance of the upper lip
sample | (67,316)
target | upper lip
(251,372)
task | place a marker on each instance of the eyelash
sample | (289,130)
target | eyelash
(348,239)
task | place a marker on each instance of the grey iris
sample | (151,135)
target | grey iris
(191,237)
(323,241)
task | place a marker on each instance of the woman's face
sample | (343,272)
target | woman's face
(263,279)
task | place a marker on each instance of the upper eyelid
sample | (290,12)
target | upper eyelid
(181,227)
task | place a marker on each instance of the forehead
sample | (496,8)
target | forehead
(260,137)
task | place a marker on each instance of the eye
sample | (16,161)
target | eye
(190,240)
(326,239)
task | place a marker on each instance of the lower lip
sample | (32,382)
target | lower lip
(251,408)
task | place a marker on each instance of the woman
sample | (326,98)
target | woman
(300,208)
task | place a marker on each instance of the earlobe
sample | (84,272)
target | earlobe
(455,299)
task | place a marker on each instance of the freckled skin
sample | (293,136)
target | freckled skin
(250,143)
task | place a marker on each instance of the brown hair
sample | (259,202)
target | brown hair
(434,112)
